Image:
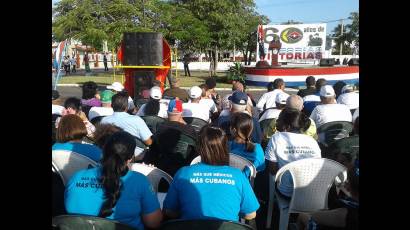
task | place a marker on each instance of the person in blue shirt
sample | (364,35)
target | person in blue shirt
(113,191)
(70,132)
(211,189)
(241,130)
(130,123)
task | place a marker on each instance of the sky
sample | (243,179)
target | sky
(307,11)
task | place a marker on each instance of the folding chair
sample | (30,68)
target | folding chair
(75,222)
(195,122)
(332,131)
(154,174)
(204,225)
(153,122)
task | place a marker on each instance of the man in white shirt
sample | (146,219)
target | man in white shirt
(311,101)
(329,110)
(105,109)
(267,100)
(156,94)
(280,105)
(206,99)
(349,97)
(194,108)
(118,87)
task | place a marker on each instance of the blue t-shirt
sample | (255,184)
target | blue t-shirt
(257,157)
(84,195)
(130,123)
(88,150)
(204,191)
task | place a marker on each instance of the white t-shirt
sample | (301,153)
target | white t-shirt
(161,113)
(286,147)
(57,109)
(311,98)
(330,112)
(268,99)
(209,103)
(350,99)
(99,111)
(195,110)
(270,113)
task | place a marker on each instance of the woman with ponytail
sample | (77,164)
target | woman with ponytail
(289,144)
(241,131)
(113,191)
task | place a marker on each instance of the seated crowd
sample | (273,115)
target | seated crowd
(176,126)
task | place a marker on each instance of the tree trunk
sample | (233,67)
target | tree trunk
(216,56)
(249,57)
(211,62)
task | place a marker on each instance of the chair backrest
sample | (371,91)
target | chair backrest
(154,174)
(75,222)
(236,162)
(96,120)
(204,225)
(312,179)
(153,122)
(67,163)
(195,122)
(332,131)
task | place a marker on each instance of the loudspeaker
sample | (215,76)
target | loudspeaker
(143,82)
(353,62)
(327,62)
(142,49)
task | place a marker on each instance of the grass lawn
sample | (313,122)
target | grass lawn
(197,78)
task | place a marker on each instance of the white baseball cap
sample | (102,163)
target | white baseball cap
(281,98)
(116,86)
(195,92)
(346,88)
(155,93)
(327,91)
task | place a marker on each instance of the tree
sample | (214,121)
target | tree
(350,36)
(290,22)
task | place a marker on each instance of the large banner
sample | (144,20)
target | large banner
(300,42)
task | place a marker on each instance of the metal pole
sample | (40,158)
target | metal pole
(341,42)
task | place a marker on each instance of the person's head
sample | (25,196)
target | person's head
(116,86)
(175,110)
(212,146)
(319,83)
(294,102)
(117,154)
(347,89)
(281,99)
(270,87)
(241,129)
(174,82)
(195,94)
(89,90)
(327,94)
(72,105)
(70,128)
(106,97)
(278,83)
(103,132)
(310,81)
(238,86)
(155,93)
(338,86)
(292,120)
(205,90)
(211,83)
(55,95)
(119,102)
(239,101)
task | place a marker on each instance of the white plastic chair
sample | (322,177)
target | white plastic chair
(236,162)
(312,179)
(154,174)
(66,163)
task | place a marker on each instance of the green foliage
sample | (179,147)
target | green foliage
(236,72)
(350,35)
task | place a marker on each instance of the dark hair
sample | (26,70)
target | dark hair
(338,86)
(310,81)
(151,108)
(74,103)
(210,82)
(118,149)
(270,86)
(292,120)
(119,102)
(103,132)
(319,83)
(242,126)
(71,127)
(277,83)
(204,88)
(89,90)
(212,146)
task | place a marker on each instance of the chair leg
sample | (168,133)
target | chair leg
(271,199)
(284,219)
